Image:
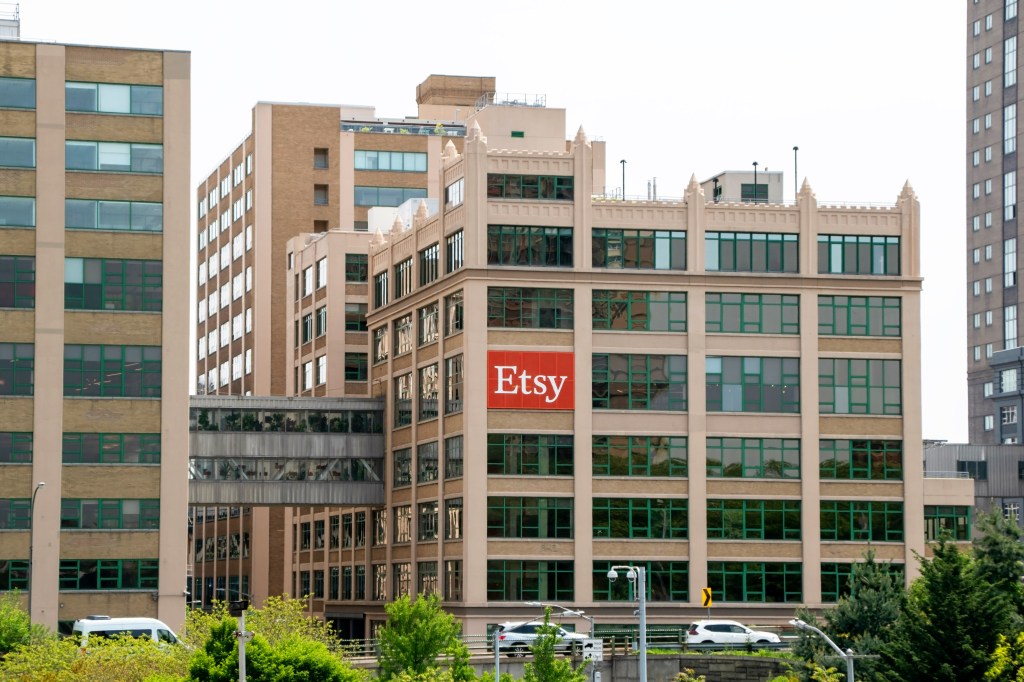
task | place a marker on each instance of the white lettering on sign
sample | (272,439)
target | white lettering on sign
(510,383)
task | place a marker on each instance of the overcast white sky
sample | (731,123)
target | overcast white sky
(872,91)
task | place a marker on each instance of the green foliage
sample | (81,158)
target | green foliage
(688,675)
(279,618)
(120,659)
(16,627)
(546,667)
(786,677)
(44,660)
(1007,662)
(819,674)
(418,634)
(949,626)
(999,551)
(488,676)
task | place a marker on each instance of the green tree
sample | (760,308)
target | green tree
(999,550)
(120,659)
(16,627)
(949,626)
(1007,662)
(546,667)
(419,633)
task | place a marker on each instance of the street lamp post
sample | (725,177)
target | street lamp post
(623,162)
(845,655)
(639,574)
(31,541)
(796,180)
(755,182)
(566,612)
(496,639)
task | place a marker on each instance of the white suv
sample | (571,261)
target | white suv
(516,638)
(727,632)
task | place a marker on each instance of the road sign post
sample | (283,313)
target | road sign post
(706,599)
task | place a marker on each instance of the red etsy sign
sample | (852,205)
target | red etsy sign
(530,380)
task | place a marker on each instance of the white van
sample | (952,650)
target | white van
(105,626)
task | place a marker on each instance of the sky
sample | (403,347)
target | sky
(871,91)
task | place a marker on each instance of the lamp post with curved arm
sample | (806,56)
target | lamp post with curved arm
(31,541)
(638,574)
(845,655)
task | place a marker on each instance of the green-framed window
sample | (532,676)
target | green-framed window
(17,211)
(530,580)
(357,267)
(756,582)
(955,520)
(752,313)
(15,513)
(835,578)
(15,448)
(113,284)
(109,514)
(751,252)
(355,317)
(356,367)
(638,249)
(387,196)
(844,254)
(113,157)
(18,152)
(17,93)
(652,518)
(666,581)
(859,386)
(112,371)
(17,368)
(652,311)
(427,469)
(13,575)
(529,308)
(861,521)
(426,521)
(453,457)
(753,457)
(862,459)
(17,282)
(508,186)
(529,517)
(639,455)
(752,384)
(111,448)
(859,316)
(114,98)
(623,381)
(369,159)
(531,246)
(109,574)
(526,454)
(753,519)
(122,216)
(402,467)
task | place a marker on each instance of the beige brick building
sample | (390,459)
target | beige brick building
(94,164)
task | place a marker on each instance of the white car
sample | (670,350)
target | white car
(516,638)
(727,632)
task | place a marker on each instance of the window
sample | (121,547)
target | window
(320,195)
(657,311)
(18,93)
(453,314)
(426,575)
(110,514)
(111,448)
(753,458)
(977,470)
(355,317)
(1009,327)
(112,157)
(429,264)
(426,463)
(530,580)
(844,459)
(756,582)
(453,519)
(402,524)
(426,521)
(836,577)
(503,186)
(453,193)
(639,249)
(17,281)
(858,255)
(751,252)
(15,514)
(667,581)
(15,447)
(860,521)
(18,152)
(121,371)
(752,313)
(990,423)
(515,454)
(403,278)
(110,284)
(307,281)
(321,321)
(529,517)
(635,456)
(1009,195)
(321,157)
(1010,10)
(17,211)
(1010,129)
(650,518)
(403,400)
(639,382)
(859,316)
(976,93)
(386,196)
(428,325)
(415,162)
(108,574)
(380,344)
(1008,381)
(307,327)
(321,370)
(380,290)
(952,520)
(453,457)
(13,575)
(454,255)
(403,335)
(1008,414)
(356,267)
(977,60)
(532,246)
(321,273)
(453,373)
(988,388)
(518,307)
(752,384)
(859,386)
(17,368)
(111,98)
(753,519)
(428,392)
(356,367)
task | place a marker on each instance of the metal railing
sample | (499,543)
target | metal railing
(946,474)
